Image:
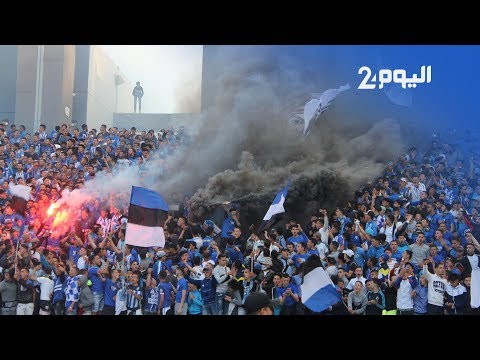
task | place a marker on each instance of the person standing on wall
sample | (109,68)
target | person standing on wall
(137,96)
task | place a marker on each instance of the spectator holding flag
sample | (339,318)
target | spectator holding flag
(319,294)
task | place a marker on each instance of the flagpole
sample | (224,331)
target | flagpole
(16,256)
(251,260)
(123,251)
(111,202)
(125,244)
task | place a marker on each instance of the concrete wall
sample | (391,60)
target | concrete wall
(8,82)
(68,81)
(84,70)
(80,85)
(58,75)
(26,85)
(209,74)
(104,97)
(56,90)
(154,121)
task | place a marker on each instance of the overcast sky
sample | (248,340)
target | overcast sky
(161,69)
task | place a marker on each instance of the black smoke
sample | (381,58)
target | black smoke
(246,146)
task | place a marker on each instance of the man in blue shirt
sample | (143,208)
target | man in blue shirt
(59,284)
(151,295)
(335,235)
(181,304)
(375,249)
(447,216)
(72,243)
(298,235)
(301,254)
(289,294)
(371,226)
(359,254)
(84,133)
(97,277)
(234,252)
(342,219)
(433,216)
(159,265)
(230,223)
(349,235)
(54,133)
(111,289)
(165,290)
(396,252)
(207,286)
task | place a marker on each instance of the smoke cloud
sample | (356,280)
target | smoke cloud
(246,147)
(247,144)
(189,97)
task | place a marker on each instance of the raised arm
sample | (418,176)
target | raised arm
(113,247)
(363,234)
(325,219)
(426,272)
(78,240)
(33,276)
(149,278)
(474,241)
(102,243)
(91,242)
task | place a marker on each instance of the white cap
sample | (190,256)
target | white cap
(208,262)
(348,252)
(267,261)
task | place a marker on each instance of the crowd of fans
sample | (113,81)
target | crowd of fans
(406,244)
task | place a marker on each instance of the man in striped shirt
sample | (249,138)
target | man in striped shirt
(42,134)
(104,222)
(134,295)
(72,292)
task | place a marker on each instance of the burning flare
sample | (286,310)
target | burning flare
(60,219)
(52,208)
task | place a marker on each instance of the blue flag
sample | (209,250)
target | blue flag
(275,211)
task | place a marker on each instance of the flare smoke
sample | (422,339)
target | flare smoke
(104,187)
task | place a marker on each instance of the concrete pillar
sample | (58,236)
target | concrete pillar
(8,74)
(26,85)
(45,75)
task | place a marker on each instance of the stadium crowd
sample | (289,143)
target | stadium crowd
(405,244)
